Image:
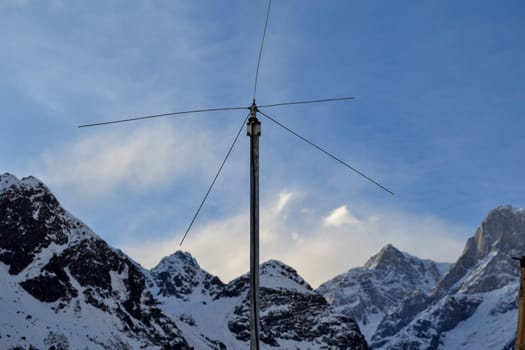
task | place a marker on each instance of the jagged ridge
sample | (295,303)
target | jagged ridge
(472,306)
(89,294)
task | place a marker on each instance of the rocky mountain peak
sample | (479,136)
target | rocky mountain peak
(387,256)
(474,300)
(370,292)
(501,231)
(395,265)
(180,276)
(485,263)
(8,180)
(32,220)
(177,259)
(56,271)
(276,274)
(57,260)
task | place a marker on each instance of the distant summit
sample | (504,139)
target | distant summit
(64,287)
(60,274)
(370,292)
(500,236)
(402,302)
(180,276)
(7,180)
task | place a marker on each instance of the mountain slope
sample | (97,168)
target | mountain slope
(58,273)
(293,315)
(63,287)
(370,292)
(472,306)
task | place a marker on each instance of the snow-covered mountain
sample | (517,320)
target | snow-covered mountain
(370,292)
(402,302)
(63,287)
(293,315)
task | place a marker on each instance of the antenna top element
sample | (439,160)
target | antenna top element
(253,127)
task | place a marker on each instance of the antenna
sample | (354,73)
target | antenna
(253,128)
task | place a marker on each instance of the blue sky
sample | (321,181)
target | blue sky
(437,118)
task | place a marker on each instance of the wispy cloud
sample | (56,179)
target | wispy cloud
(318,251)
(284,200)
(138,160)
(339,217)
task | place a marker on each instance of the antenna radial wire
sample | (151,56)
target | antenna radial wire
(254,131)
(214,179)
(305,102)
(161,115)
(326,152)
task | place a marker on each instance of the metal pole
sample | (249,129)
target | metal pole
(254,131)
(520,335)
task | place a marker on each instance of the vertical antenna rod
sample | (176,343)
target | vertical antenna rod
(253,129)
(261,49)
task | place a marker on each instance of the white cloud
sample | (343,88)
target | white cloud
(138,160)
(284,199)
(318,252)
(339,217)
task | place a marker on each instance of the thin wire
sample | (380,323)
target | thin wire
(326,152)
(309,101)
(162,115)
(214,179)
(261,49)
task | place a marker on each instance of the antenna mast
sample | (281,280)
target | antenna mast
(253,129)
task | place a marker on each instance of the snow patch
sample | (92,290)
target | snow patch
(7,180)
(118,287)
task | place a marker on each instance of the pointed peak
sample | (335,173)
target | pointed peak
(7,180)
(277,275)
(501,230)
(32,181)
(504,211)
(277,267)
(179,258)
(387,255)
(275,264)
(389,248)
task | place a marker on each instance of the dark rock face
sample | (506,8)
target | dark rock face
(60,260)
(292,314)
(180,276)
(443,317)
(379,287)
(65,269)
(428,318)
(298,314)
(500,234)
(29,223)
(401,317)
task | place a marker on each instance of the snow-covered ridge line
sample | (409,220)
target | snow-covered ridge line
(73,274)
(95,296)
(7,180)
(472,306)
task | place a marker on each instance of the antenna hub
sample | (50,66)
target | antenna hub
(253,127)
